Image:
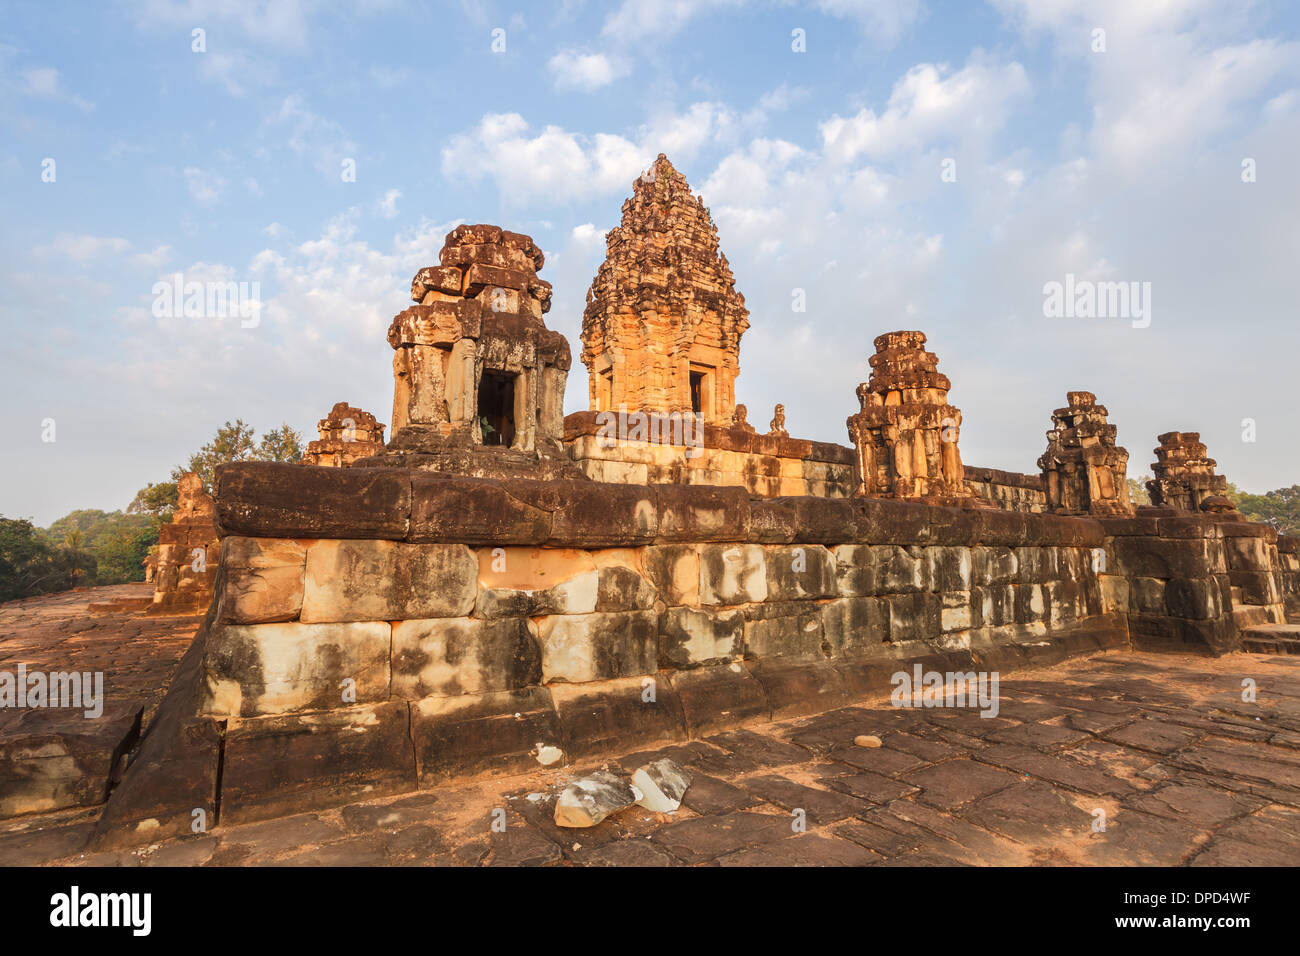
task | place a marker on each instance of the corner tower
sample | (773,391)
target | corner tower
(662,326)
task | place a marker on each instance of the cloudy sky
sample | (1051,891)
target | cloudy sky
(903,163)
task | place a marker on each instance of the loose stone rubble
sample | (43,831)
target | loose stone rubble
(1185,477)
(1084,471)
(662,784)
(585,802)
(347,434)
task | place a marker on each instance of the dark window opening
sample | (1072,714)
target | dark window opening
(697,391)
(496,408)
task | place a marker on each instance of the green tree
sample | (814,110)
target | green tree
(280,444)
(1279,508)
(156,500)
(118,542)
(30,564)
(233,442)
(1137,490)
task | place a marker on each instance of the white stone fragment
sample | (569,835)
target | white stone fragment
(663,784)
(587,801)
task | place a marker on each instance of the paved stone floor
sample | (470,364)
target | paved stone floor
(136,653)
(1162,748)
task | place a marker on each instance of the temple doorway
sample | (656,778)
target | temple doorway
(496,407)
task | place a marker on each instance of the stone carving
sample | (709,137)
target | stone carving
(347,434)
(1185,477)
(776,428)
(475,364)
(740,420)
(1084,471)
(906,433)
(188,550)
(662,326)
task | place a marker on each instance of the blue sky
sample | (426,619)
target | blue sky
(822,169)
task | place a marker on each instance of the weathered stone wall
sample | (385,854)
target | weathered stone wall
(1289,573)
(1190,581)
(763,465)
(381,629)
(1009,490)
(369,636)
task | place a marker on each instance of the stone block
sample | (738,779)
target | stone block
(263,580)
(447,657)
(258,669)
(690,637)
(718,696)
(732,574)
(914,617)
(802,571)
(503,732)
(948,568)
(622,587)
(615,716)
(474,511)
(275,500)
(688,513)
(586,647)
(674,570)
(790,630)
(275,766)
(387,581)
(993,565)
(855,627)
(530,582)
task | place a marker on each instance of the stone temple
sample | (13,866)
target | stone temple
(502,587)
(662,327)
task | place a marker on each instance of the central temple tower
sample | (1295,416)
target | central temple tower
(662,327)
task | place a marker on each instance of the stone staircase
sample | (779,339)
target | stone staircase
(1271,639)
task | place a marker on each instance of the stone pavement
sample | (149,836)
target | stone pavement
(56,757)
(1161,748)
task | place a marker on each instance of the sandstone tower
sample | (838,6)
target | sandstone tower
(474,365)
(906,433)
(662,326)
(1084,471)
(347,434)
(1184,477)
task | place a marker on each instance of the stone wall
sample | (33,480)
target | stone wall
(1009,490)
(763,465)
(1190,581)
(376,630)
(1289,572)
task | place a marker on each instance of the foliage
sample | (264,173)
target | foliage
(30,565)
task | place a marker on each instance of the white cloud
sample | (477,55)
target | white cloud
(575,70)
(930,104)
(81,248)
(387,206)
(45,82)
(205,187)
